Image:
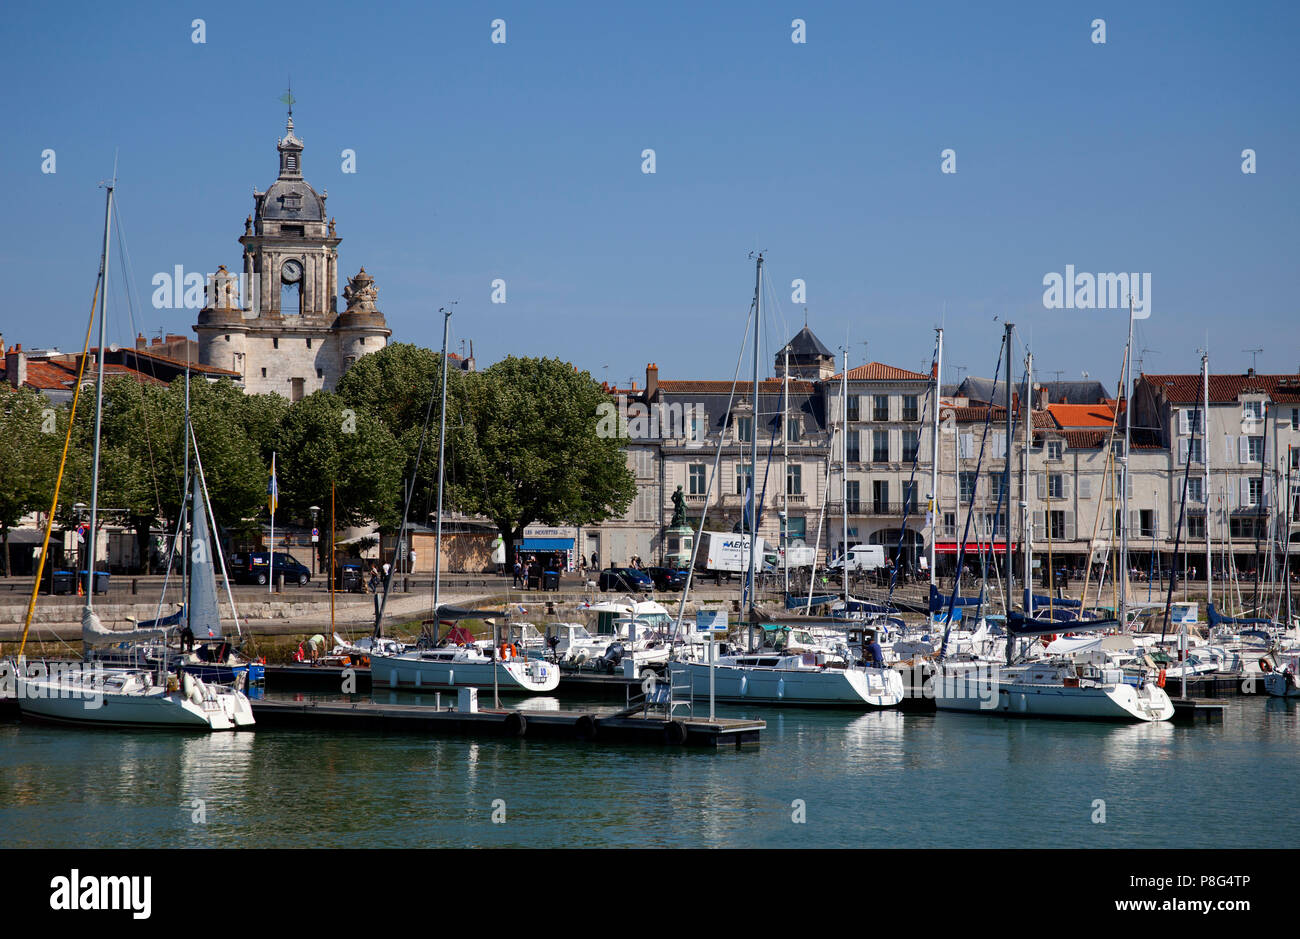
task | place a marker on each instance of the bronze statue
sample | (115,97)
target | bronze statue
(679,509)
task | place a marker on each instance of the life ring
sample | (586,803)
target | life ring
(1265,665)
(1160,679)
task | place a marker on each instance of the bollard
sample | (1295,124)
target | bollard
(279,583)
(406,585)
(135,586)
(550,607)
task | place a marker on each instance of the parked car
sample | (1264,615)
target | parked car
(625,578)
(667,578)
(253,568)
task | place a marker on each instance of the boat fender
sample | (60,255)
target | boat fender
(516,725)
(675,733)
(1160,680)
(585,727)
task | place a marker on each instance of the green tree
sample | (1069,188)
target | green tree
(398,385)
(318,444)
(30,441)
(528,450)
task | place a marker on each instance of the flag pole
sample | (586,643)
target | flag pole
(271,499)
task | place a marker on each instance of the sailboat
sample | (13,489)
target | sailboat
(89,693)
(770,672)
(1057,686)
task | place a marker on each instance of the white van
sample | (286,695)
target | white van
(863,557)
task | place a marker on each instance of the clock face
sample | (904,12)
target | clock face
(291,273)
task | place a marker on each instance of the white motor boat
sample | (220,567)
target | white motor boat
(79,693)
(452,667)
(1054,688)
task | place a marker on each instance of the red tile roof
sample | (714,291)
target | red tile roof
(877,371)
(1082,415)
(45,375)
(1224,389)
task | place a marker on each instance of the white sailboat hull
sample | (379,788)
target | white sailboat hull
(67,702)
(519,676)
(976,691)
(830,687)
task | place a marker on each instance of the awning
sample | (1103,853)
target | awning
(547,544)
(952,547)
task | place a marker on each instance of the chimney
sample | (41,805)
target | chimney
(1015,401)
(651,380)
(1044,398)
(157,341)
(1250,372)
(16,366)
(140,341)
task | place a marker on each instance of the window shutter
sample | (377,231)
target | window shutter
(1245,491)
(1264,493)
(1268,450)
(967,445)
(1085,487)
(1184,421)
(1042,486)
(1065,486)
(1069,526)
(1229,450)
(1040,527)
(1134,521)
(1129,487)
(1243,449)
(1183,444)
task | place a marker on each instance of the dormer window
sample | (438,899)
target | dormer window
(1054,449)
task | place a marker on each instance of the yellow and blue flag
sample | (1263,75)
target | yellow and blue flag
(272,489)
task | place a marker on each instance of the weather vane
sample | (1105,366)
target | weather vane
(288,98)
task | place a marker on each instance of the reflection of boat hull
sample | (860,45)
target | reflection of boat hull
(977,692)
(829,687)
(518,676)
(75,703)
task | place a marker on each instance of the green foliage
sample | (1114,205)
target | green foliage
(529,452)
(318,444)
(30,442)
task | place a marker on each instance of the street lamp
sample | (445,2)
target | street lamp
(315,539)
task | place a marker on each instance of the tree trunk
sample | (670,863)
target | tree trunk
(142,528)
(5,534)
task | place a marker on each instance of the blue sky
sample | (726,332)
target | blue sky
(523,161)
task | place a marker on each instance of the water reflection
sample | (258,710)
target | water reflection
(874,779)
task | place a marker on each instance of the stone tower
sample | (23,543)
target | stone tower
(281,329)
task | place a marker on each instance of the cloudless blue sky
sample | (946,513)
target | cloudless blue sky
(523,161)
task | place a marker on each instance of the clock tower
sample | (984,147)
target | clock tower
(283,332)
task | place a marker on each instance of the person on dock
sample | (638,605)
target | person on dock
(519,570)
(187,638)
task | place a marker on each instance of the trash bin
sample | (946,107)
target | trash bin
(534,582)
(100,582)
(551,580)
(59,582)
(350,579)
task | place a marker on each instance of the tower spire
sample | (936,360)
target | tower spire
(288,99)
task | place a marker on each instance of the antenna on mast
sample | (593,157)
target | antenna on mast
(1253,353)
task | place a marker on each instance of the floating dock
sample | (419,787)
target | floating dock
(565,725)
(1189,711)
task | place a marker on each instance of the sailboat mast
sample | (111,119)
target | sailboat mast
(442,442)
(934,464)
(785,459)
(1124,483)
(185,499)
(1205,466)
(753,444)
(99,406)
(1006,484)
(844,478)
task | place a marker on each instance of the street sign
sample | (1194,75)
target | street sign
(315,535)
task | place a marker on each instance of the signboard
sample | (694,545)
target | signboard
(315,535)
(711,621)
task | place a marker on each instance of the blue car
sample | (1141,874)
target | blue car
(625,578)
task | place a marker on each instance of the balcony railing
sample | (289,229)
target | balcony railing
(869,508)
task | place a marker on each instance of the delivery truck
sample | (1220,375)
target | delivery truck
(725,553)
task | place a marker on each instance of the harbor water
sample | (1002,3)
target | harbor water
(819,779)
